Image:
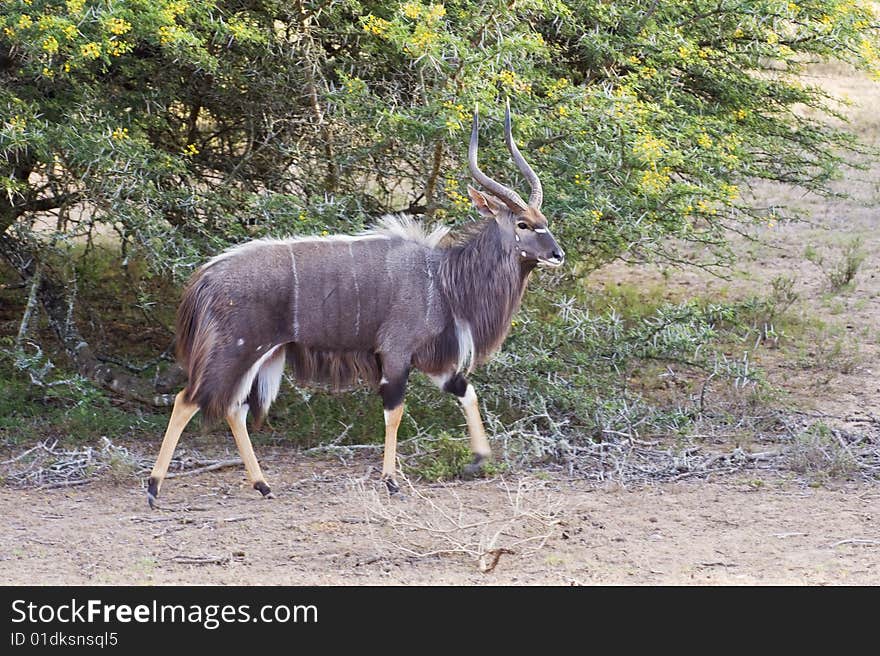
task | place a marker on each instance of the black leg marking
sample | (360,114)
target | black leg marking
(152,492)
(473,469)
(262,488)
(393,391)
(391,485)
(457,385)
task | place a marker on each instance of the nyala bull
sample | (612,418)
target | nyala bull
(363,309)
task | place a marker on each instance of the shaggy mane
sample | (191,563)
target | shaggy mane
(406,227)
(390,226)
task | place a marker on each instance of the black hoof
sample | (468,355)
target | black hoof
(152,492)
(392,486)
(473,469)
(263,489)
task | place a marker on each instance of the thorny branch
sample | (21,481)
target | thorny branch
(438,522)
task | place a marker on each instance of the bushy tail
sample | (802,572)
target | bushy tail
(196,336)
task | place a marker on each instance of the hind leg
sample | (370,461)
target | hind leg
(236,420)
(180,417)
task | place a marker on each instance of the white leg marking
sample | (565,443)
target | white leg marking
(479,443)
(389,460)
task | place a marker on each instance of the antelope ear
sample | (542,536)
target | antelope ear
(487,205)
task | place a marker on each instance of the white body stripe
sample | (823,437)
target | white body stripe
(295,296)
(357,292)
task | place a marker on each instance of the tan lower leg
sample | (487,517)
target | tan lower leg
(392,422)
(479,443)
(236,420)
(180,416)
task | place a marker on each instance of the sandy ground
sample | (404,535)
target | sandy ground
(328,528)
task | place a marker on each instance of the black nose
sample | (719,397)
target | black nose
(559,254)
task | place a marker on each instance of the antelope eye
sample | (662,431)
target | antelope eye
(522,225)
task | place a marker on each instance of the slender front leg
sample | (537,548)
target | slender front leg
(479,442)
(236,420)
(392,389)
(180,417)
(457,384)
(389,460)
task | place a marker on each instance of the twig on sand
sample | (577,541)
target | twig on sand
(57,484)
(864,541)
(200,560)
(220,464)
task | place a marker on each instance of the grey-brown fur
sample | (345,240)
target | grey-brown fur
(365,309)
(343,312)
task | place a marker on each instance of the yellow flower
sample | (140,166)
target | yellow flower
(167,34)
(48,72)
(190,150)
(375,25)
(772,37)
(704,140)
(557,86)
(649,148)
(411,9)
(69,31)
(654,181)
(176,7)
(452,193)
(422,40)
(118,26)
(24,22)
(435,13)
(562,110)
(17,123)
(91,50)
(597,216)
(120,134)
(705,207)
(738,33)
(75,6)
(324,233)
(50,44)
